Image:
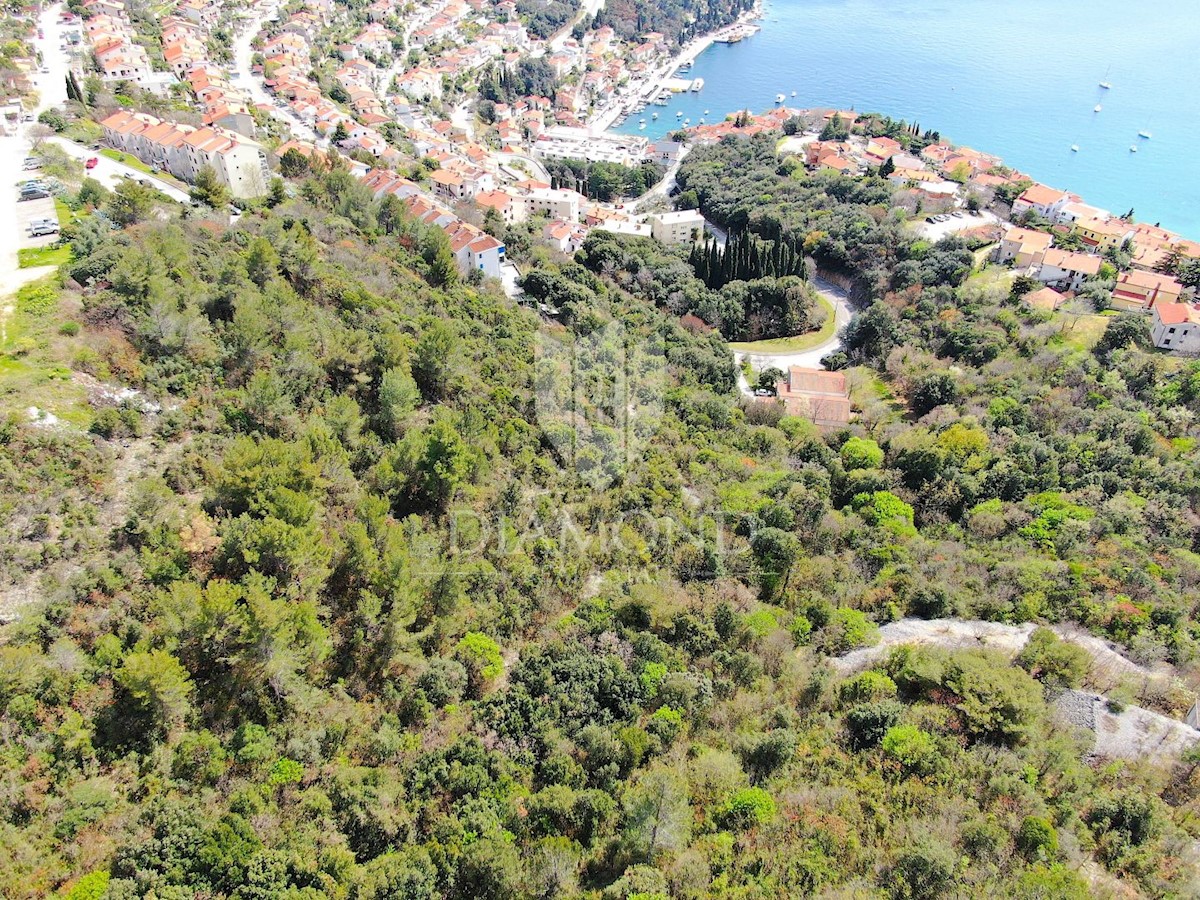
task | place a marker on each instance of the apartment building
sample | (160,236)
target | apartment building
(239,163)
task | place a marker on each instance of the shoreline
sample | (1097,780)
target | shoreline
(656,83)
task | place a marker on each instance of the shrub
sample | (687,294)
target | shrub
(914,749)
(923,871)
(480,656)
(861,453)
(747,808)
(1037,837)
(847,630)
(867,687)
(1053,661)
(869,722)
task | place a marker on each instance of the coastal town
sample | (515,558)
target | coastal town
(394,93)
(441,459)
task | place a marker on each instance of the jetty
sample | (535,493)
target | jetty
(735,33)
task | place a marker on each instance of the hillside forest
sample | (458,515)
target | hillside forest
(319,601)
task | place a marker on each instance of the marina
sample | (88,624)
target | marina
(1017,72)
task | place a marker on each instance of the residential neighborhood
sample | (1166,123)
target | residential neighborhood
(461,110)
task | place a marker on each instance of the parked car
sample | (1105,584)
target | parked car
(34,194)
(31,163)
(92,162)
(43,230)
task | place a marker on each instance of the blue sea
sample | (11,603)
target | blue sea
(1018,78)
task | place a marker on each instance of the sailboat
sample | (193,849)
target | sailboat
(1097,108)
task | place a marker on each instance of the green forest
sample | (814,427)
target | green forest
(322,608)
(677,20)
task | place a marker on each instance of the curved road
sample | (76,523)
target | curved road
(812,357)
(243,55)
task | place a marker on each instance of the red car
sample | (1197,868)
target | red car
(92,163)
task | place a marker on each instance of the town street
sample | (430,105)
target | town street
(111,173)
(243,55)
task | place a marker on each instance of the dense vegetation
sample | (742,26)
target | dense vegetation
(604,181)
(543,18)
(677,20)
(530,78)
(369,626)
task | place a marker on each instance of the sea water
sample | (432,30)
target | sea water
(1018,78)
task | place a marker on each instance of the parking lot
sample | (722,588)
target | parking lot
(27,211)
(935,231)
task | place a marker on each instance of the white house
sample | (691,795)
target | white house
(1176,326)
(1066,271)
(683,226)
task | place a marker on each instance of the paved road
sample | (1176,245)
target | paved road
(667,183)
(14,215)
(52,86)
(243,54)
(111,173)
(537,170)
(813,356)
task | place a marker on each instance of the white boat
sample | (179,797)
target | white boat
(779,98)
(706,112)
(1074,148)
(1105,85)
(793,93)
(641,124)
(698,84)
(642,120)
(1133,148)
(701,122)
(1145,134)
(687,121)
(679,114)
(1097,108)
(654,115)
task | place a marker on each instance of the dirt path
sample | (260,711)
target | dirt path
(1132,733)
(1108,662)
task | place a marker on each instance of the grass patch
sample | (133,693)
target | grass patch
(125,159)
(32,257)
(35,354)
(797,343)
(63,212)
(1080,331)
(83,131)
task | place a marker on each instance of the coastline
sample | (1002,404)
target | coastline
(657,82)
